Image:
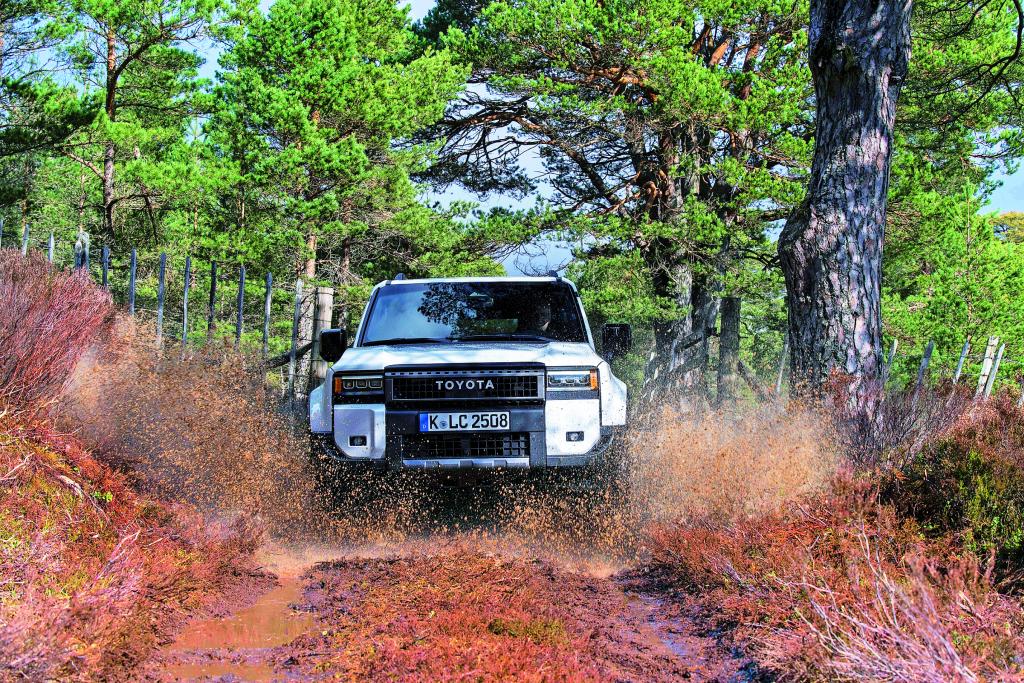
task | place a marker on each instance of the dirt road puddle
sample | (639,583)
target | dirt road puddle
(239,647)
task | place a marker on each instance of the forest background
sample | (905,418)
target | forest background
(648,150)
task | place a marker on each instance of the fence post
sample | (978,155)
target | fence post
(132,266)
(321,321)
(50,248)
(960,363)
(995,370)
(184,305)
(24,241)
(105,257)
(925,360)
(241,307)
(1020,399)
(782,366)
(1,233)
(266,314)
(213,302)
(986,365)
(160,300)
(887,368)
(296,318)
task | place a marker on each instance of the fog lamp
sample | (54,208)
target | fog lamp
(574,436)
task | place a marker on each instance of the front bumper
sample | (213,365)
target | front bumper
(537,438)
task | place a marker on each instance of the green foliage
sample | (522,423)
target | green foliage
(947,275)
(970,483)
(1010,225)
(667,138)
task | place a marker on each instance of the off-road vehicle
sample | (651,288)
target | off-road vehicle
(498,372)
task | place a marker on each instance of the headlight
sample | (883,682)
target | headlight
(572,379)
(356,388)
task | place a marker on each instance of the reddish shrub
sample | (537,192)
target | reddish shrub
(93,575)
(48,318)
(840,586)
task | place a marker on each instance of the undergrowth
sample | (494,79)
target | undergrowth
(903,568)
(92,576)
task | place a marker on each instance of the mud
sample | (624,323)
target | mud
(460,610)
(509,577)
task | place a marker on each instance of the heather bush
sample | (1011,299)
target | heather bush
(968,481)
(840,586)
(93,577)
(48,319)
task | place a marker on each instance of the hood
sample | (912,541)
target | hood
(554,354)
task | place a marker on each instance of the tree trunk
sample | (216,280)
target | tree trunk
(729,350)
(831,246)
(675,372)
(110,151)
(308,311)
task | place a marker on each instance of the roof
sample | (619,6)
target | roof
(506,278)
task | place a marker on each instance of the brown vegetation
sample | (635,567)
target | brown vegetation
(888,574)
(92,576)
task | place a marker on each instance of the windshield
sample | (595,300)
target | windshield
(474,311)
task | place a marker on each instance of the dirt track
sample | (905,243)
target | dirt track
(450,615)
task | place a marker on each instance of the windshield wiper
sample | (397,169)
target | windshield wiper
(504,337)
(408,340)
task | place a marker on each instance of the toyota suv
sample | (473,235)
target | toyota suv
(496,372)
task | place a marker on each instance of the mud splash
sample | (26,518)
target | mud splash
(204,429)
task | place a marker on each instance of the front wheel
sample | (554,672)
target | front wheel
(339,484)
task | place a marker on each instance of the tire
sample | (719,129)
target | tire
(338,484)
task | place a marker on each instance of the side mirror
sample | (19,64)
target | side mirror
(332,344)
(616,339)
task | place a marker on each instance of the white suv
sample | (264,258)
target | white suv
(496,372)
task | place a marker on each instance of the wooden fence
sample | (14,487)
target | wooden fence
(303,338)
(321,299)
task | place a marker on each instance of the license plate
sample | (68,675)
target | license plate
(464,422)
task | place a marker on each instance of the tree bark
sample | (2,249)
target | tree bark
(308,311)
(675,372)
(729,350)
(110,151)
(831,246)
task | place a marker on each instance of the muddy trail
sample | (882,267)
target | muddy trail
(449,615)
(502,577)
(513,578)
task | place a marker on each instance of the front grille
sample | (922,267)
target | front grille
(450,446)
(440,386)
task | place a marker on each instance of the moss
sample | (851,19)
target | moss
(539,631)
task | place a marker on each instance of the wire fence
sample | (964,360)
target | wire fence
(225,304)
(194,304)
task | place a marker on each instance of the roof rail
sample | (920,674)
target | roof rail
(399,276)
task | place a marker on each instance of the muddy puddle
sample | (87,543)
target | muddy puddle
(239,646)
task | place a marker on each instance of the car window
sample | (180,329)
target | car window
(450,311)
